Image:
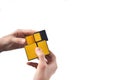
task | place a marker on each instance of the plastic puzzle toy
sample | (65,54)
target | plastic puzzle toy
(38,39)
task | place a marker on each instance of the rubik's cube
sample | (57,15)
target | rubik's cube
(38,39)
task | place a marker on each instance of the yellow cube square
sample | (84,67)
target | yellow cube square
(30,39)
(30,51)
(37,37)
(43,46)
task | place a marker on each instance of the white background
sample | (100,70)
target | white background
(83,34)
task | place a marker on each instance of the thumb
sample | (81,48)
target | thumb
(18,40)
(40,54)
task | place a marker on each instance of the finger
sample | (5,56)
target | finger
(28,32)
(24,32)
(18,40)
(32,64)
(52,61)
(51,57)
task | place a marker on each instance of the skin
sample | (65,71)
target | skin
(14,40)
(46,67)
(47,64)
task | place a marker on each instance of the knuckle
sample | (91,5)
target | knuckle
(43,66)
(17,30)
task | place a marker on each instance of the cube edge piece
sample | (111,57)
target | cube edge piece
(44,35)
(46,46)
(34,35)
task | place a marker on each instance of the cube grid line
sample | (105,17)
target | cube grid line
(38,39)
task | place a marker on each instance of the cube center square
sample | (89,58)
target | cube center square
(38,39)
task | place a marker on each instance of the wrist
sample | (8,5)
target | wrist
(3,44)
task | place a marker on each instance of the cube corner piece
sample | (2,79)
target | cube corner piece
(37,37)
(30,51)
(44,47)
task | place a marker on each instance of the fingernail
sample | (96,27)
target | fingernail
(38,50)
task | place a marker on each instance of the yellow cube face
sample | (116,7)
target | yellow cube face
(30,51)
(30,39)
(37,37)
(43,45)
